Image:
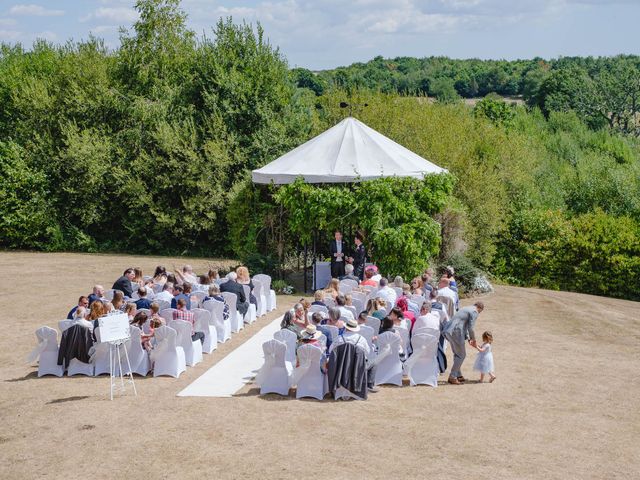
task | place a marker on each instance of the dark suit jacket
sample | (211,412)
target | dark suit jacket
(124,285)
(348,369)
(75,343)
(333,247)
(359,259)
(234,287)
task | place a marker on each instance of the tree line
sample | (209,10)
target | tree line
(148,149)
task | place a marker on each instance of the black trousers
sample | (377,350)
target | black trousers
(337,269)
(198,336)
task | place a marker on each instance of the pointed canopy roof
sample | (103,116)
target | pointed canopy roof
(348,152)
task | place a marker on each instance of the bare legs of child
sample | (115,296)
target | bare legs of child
(492,377)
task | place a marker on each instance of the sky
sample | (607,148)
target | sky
(321,34)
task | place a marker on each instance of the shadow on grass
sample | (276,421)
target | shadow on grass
(67,399)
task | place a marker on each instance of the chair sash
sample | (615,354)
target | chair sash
(35,353)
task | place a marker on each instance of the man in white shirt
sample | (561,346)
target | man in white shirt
(166,294)
(351,335)
(427,319)
(387,293)
(345,313)
(445,291)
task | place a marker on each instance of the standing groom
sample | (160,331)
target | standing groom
(459,329)
(337,255)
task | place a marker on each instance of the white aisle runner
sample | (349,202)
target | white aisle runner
(235,370)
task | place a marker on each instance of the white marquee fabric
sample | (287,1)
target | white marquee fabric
(348,152)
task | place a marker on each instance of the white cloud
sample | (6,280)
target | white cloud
(10,35)
(114,14)
(34,11)
(7,22)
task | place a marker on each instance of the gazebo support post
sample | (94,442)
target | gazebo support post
(305,267)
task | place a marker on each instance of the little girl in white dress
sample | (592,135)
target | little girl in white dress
(484,360)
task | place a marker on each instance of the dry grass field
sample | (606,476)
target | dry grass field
(566,404)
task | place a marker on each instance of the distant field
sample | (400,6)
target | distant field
(566,404)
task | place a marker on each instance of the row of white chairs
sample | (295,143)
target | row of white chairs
(280,373)
(174,348)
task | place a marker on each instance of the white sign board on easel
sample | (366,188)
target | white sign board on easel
(114,327)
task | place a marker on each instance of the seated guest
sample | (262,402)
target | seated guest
(203,280)
(79,318)
(417,286)
(287,323)
(333,289)
(345,313)
(437,306)
(386,292)
(182,313)
(213,275)
(362,318)
(108,307)
(214,294)
(348,273)
(427,318)
(160,275)
(96,294)
(300,316)
(124,283)
(450,274)
(387,325)
(398,282)
(118,301)
(318,298)
(232,286)
(143,301)
(180,293)
(445,291)
(350,335)
(317,319)
(138,321)
(155,313)
(348,300)
(310,336)
(171,278)
(306,304)
(376,274)
(166,294)
(138,278)
(375,308)
(427,278)
(334,317)
(186,275)
(96,310)
(369,272)
(244,279)
(131,309)
(403,305)
(82,302)
(398,318)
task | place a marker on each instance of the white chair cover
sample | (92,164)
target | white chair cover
(355,295)
(417,299)
(192,348)
(237,322)
(273,376)
(350,282)
(167,357)
(422,366)
(167,314)
(269,294)
(100,357)
(344,289)
(204,324)
(389,369)
(398,291)
(200,296)
(223,327)
(46,352)
(368,333)
(334,332)
(310,380)
(358,305)
(259,293)
(318,308)
(353,311)
(404,334)
(64,324)
(138,356)
(291,341)
(76,367)
(448,305)
(329,302)
(374,323)
(109,294)
(163,304)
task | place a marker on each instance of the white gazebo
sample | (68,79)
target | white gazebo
(348,152)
